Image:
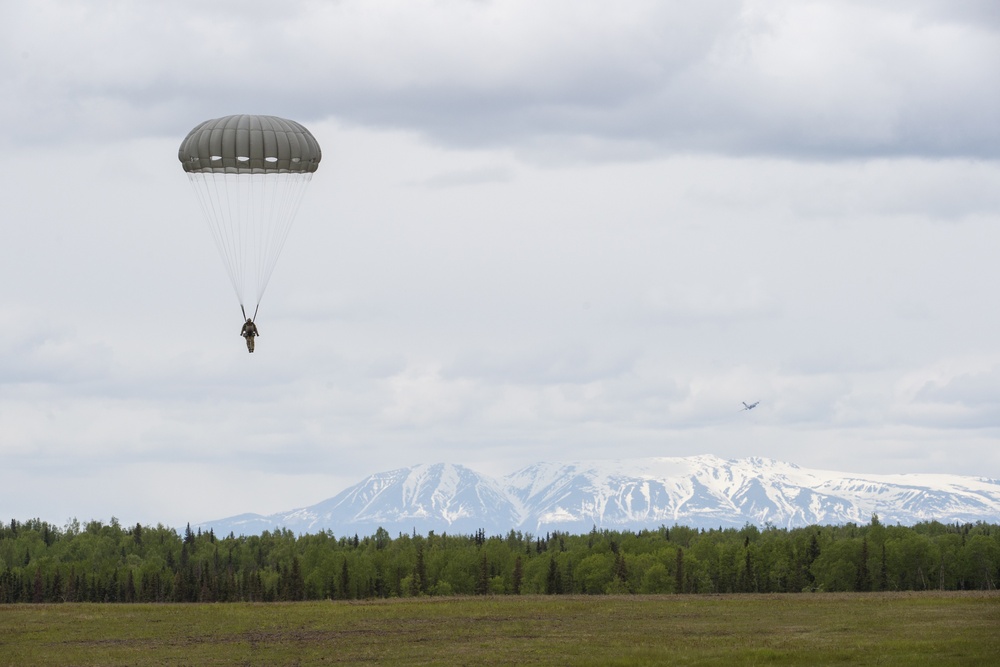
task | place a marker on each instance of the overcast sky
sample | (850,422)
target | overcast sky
(540,231)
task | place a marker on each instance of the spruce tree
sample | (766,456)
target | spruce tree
(863,582)
(620,571)
(38,594)
(419,570)
(747,578)
(55,594)
(883,575)
(71,585)
(553,582)
(483,576)
(679,572)
(296,583)
(342,590)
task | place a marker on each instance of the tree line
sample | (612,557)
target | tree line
(98,562)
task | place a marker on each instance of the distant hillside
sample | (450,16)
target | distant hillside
(699,491)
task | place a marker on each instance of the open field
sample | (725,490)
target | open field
(799,629)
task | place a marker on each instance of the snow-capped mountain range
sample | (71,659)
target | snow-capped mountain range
(698,491)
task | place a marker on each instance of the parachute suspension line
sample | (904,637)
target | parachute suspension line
(210,196)
(229,226)
(261,197)
(257,222)
(244,311)
(278,186)
(238,211)
(268,205)
(284,204)
(250,217)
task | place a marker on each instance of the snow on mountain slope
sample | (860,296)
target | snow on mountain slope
(440,497)
(706,491)
(698,491)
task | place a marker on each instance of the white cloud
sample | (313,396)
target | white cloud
(563,79)
(538,232)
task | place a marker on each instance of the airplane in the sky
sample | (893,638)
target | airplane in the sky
(751,406)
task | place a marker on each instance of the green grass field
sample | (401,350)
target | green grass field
(804,629)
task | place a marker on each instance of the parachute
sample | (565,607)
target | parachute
(250,173)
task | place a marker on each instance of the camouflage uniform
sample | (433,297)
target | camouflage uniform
(249,331)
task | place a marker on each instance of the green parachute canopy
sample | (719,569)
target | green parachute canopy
(244,144)
(250,173)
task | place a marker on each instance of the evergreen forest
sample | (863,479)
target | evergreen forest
(99,562)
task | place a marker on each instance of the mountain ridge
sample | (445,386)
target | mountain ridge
(701,491)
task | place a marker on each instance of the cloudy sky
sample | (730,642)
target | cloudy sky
(551,230)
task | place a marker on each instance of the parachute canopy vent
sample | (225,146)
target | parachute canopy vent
(245,144)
